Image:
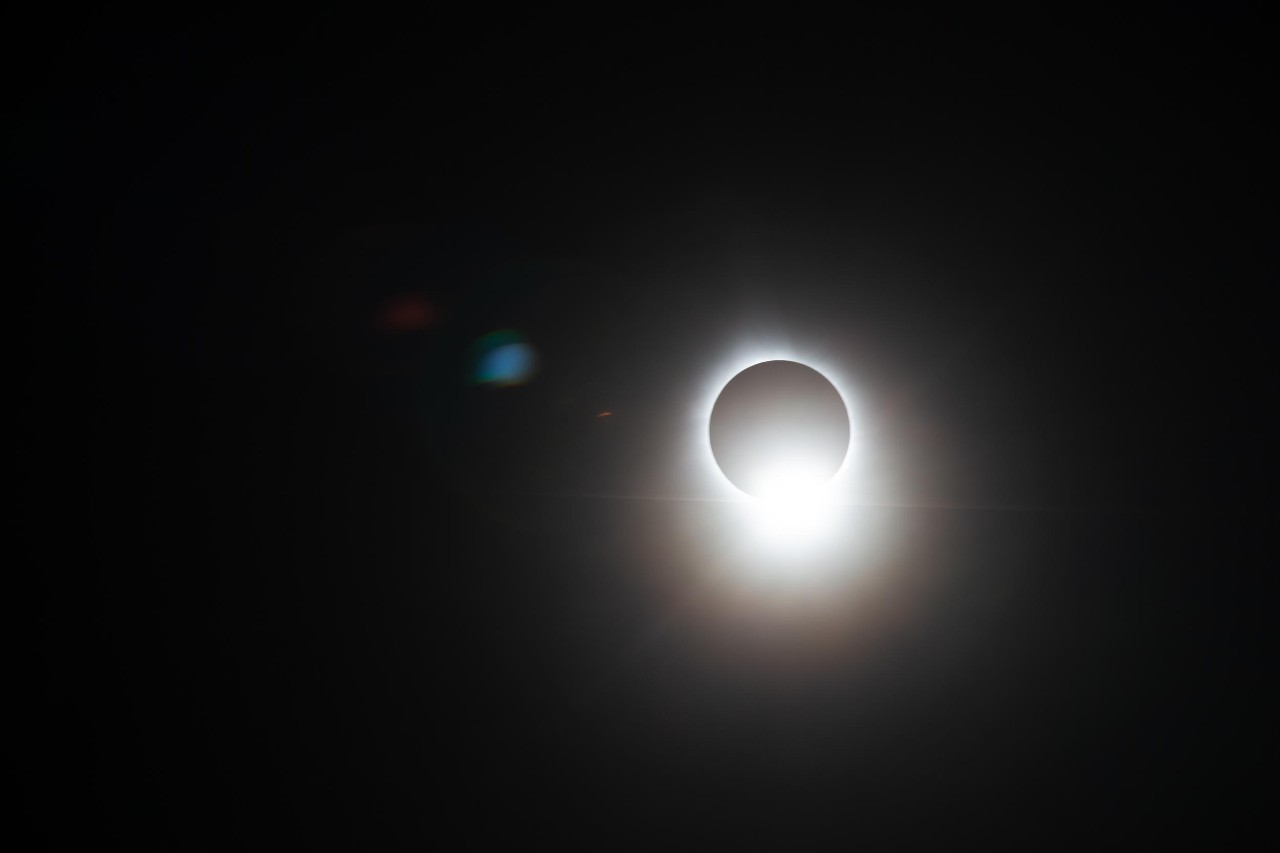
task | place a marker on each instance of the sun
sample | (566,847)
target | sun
(779,433)
(779,429)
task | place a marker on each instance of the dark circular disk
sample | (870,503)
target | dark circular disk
(775,413)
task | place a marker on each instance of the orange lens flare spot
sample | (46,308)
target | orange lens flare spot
(407,312)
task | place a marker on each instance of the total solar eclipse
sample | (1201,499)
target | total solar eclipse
(779,429)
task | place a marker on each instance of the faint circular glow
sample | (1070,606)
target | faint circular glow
(503,359)
(407,312)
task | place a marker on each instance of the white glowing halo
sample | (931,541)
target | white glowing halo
(814,545)
(838,487)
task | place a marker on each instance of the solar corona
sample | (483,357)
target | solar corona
(779,433)
(779,430)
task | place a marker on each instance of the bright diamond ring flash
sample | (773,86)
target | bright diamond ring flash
(789,481)
(792,504)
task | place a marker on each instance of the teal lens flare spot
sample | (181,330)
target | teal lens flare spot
(503,359)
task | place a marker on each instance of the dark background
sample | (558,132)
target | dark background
(305,583)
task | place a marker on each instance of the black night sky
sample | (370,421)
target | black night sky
(306,581)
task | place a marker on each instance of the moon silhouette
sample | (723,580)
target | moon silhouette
(779,415)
